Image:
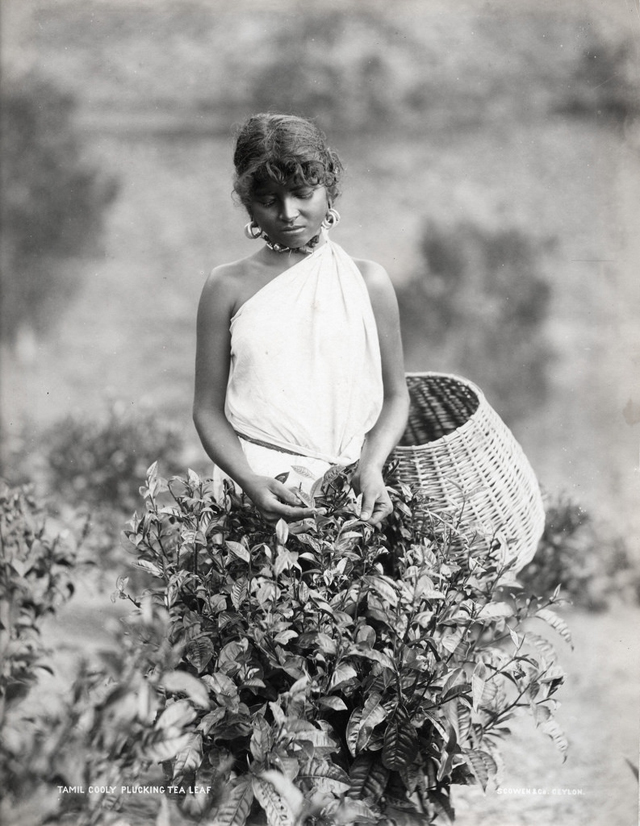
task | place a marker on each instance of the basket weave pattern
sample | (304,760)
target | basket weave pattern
(461,454)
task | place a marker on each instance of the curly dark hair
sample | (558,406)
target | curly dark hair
(284,149)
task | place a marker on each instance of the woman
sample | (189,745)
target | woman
(299,358)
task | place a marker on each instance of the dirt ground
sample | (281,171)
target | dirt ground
(599,714)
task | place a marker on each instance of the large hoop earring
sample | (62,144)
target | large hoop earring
(252,230)
(331,219)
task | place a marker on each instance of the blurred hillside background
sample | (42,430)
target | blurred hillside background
(493,167)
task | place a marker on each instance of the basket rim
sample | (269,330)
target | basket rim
(454,433)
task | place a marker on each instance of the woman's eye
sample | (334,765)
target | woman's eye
(305,194)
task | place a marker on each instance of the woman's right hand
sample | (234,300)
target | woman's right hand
(274,500)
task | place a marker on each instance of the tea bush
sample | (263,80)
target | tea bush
(97,464)
(102,461)
(36,571)
(319,672)
(329,670)
(91,733)
(35,577)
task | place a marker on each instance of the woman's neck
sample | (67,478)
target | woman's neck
(307,249)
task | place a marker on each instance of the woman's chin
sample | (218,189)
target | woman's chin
(295,237)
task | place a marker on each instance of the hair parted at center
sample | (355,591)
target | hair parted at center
(283,149)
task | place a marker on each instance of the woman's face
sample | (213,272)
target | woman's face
(290,214)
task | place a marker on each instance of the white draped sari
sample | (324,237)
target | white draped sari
(305,383)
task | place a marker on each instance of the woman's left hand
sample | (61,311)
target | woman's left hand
(376,502)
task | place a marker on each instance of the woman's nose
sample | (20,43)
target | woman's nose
(288,209)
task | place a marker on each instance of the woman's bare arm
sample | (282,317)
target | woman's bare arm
(387,431)
(213,356)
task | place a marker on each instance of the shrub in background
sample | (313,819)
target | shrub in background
(101,462)
(479,309)
(96,465)
(348,68)
(91,467)
(591,567)
(603,84)
(53,202)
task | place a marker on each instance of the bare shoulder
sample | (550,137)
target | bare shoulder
(377,280)
(224,276)
(224,285)
(385,309)
(372,272)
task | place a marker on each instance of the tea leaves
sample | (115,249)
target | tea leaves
(317,669)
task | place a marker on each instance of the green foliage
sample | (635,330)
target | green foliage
(91,468)
(35,570)
(101,461)
(604,82)
(103,729)
(327,669)
(479,309)
(358,66)
(349,69)
(53,202)
(36,566)
(320,672)
(590,566)
(102,736)
(95,466)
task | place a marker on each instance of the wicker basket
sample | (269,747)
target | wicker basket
(464,458)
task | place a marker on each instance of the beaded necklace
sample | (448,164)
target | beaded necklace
(307,249)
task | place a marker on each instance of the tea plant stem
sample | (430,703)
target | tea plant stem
(504,714)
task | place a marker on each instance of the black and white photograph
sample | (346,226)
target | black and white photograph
(319,412)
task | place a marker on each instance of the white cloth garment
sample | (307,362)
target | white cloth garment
(305,372)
